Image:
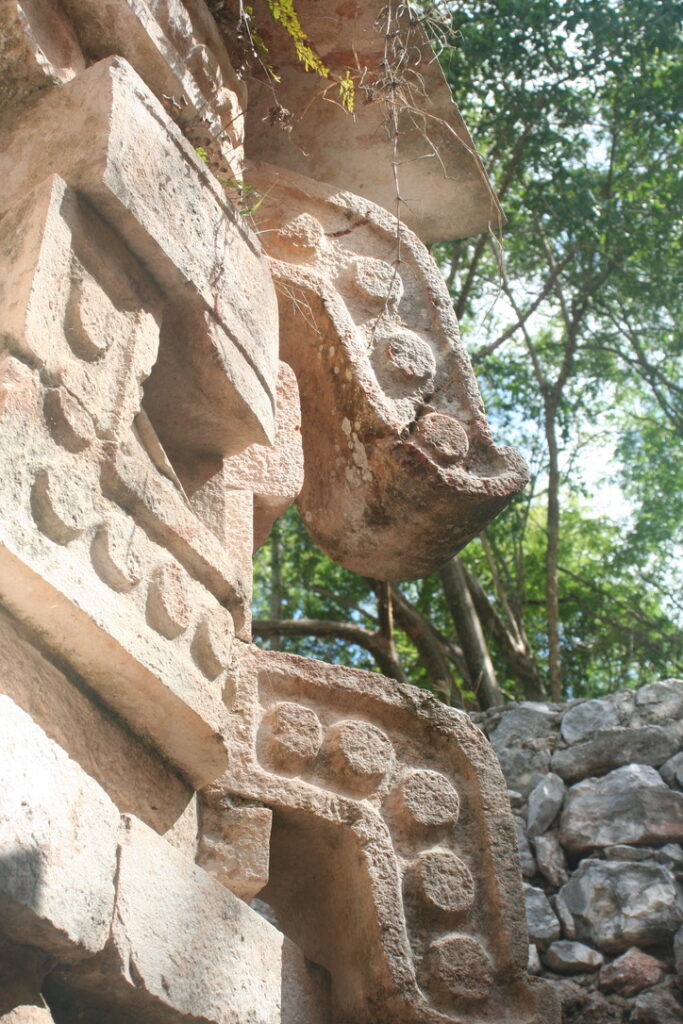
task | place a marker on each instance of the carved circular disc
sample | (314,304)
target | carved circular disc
(443,437)
(359,753)
(295,735)
(60,508)
(443,881)
(213,639)
(168,602)
(404,363)
(428,799)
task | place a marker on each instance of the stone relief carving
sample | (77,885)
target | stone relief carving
(149,435)
(401,466)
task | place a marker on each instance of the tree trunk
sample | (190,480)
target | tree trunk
(433,649)
(469,632)
(374,642)
(551,560)
(275,582)
(513,645)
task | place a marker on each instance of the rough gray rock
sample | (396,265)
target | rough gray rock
(612,748)
(657,1006)
(624,852)
(630,805)
(620,904)
(672,771)
(541,919)
(584,1007)
(678,952)
(568,957)
(526,857)
(661,702)
(524,766)
(551,860)
(545,801)
(582,721)
(564,916)
(527,720)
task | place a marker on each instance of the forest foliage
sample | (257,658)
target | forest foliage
(573,322)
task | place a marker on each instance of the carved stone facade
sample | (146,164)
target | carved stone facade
(192,829)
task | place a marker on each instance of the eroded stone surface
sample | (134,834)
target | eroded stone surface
(629,805)
(616,906)
(389,401)
(631,972)
(58,834)
(351,792)
(152,960)
(443,199)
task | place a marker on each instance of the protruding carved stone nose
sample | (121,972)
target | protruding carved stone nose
(400,466)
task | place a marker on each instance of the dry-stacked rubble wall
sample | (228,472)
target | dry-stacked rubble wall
(596,789)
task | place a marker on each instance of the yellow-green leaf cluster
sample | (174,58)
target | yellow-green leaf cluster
(283,12)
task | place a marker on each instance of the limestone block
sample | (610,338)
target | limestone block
(110,139)
(617,905)
(234,847)
(631,972)
(444,198)
(567,957)
(27,1015)
(551,860)
(134,778)
(182,947)
(545,801)
(660,702)
(542,921)
(76,304)
(525,721)
(39,48)
(401,469)
(527,860)
(176,50)
(672,771)
(55,578)
(629,805)
(661,1005)
(525,765)
(583,720)
(58,834)
(389,866)
(611,748)
(274,474)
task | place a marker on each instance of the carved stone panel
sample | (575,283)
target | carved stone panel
(388,851)
(400,466)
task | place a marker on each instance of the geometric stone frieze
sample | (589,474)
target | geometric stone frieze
(402,470)
(389,854)
(80,571)
(110,139)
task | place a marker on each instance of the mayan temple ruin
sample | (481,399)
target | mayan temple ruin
(210,310)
